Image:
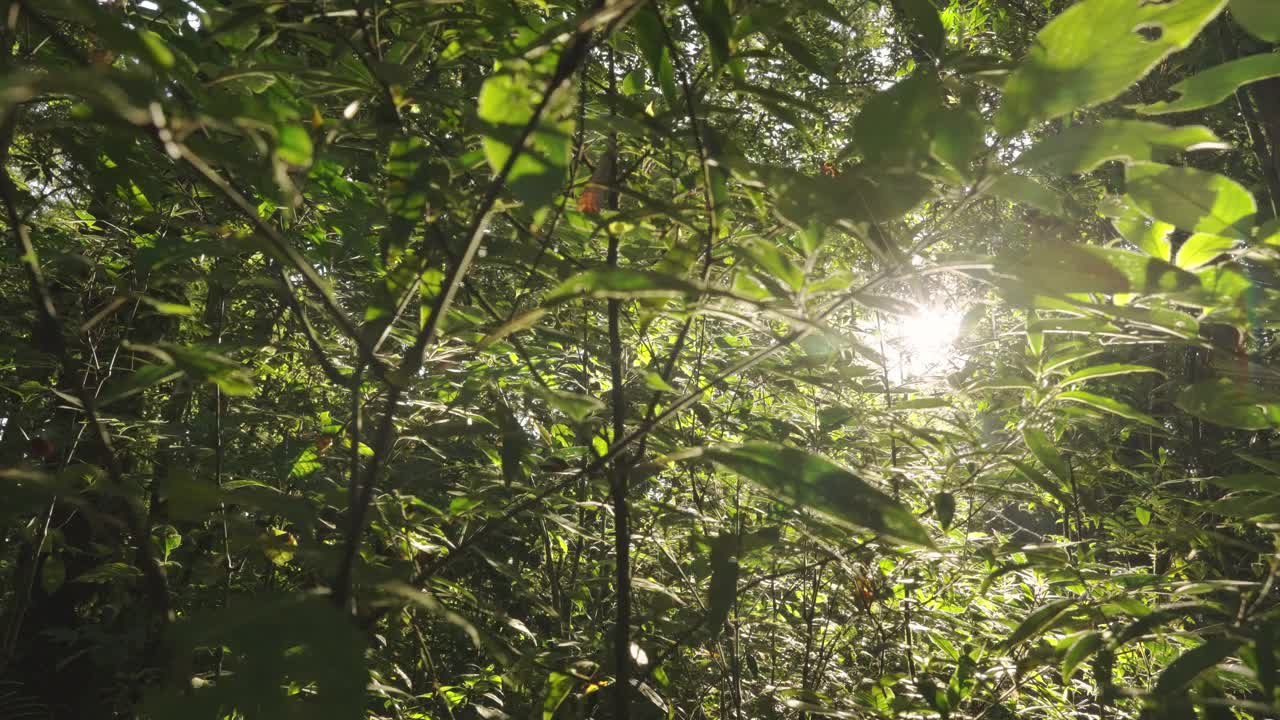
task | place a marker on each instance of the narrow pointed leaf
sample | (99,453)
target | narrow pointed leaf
(1217,83)
(822,486)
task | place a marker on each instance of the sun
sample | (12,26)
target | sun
(923,343)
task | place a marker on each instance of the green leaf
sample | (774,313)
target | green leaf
(1043,482)
(507,103)
(1258,17)
(1192,200)
(159,52)
(819,484)
(716,23)
(1080,650)
(1202,249)
(895,127)
(621,284)
(577,407)
(1082,148)
(922,17)
(1143,515)
(769,257)
(110,572)
(1217,83)
(653,45)
(1078,60)
(1151,236)
(293,146)
(1108,370)
(1040,621)
(559,685)
(1183,671)
(1106,404)
(307,462)
(1231,403)
(1086,269)
(957,137)
(166,308)
(1042,447)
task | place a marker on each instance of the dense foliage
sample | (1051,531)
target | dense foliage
(639,358)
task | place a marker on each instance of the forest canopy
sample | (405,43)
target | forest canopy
(705,359)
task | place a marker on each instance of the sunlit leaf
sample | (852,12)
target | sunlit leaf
(1231,404)
(1077,61)
(1106,404)
(1082,148)
(820,485)
(1192,200)
(1107,370)
(507,103)
(1040,620)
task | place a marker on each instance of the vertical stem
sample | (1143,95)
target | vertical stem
(621,513)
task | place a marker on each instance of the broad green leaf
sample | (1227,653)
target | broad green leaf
(307,462)
(770,258)
(1079,60)
(1108,370)
(621,284)
(293,146)
(1202,249)
(1231,403)
(1080,650)
(274,637)
(895,126)
(1216,84)
(957,137)
(1106,404)
(1061,268)
(1143,515)
(1190,199)
(559,685)
(1042,619)
(507,103)
(1150,236)
(1042,447)
(820,485)
(1259,17)
(1183,671)
(1082,148)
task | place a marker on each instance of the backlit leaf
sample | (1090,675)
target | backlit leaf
(1192,200)
(1077,61)
(820,485)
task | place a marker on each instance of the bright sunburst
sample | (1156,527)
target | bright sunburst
(923,343)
